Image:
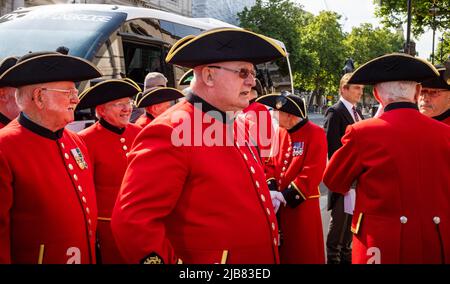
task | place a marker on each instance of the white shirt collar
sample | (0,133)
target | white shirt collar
(348,105)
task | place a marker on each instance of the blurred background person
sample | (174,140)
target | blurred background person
(8,106)
(434,100)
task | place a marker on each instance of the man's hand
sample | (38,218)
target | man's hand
(277,198)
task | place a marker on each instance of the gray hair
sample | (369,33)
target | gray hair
(23,96)
(150,79)
(396,91)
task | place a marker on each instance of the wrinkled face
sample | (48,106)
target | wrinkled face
(433,102)
(352,93)
(157,109)
(117,112)
(232,83)
(283,119)
(8,100)
(57,100)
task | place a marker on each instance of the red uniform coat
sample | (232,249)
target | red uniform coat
(144,120)
(259,125)
(108,149)
(200,204)
(400,162)
(48,211)
(300,164)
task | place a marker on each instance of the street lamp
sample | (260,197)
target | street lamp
(434,10)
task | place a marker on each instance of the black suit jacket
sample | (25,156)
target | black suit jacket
(337,118)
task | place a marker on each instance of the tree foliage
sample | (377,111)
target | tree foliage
(365,43)
(394,13)
(442,52)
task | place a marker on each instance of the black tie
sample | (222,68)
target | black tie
(355,114)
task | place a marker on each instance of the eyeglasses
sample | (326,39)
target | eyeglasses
(70,93)
(432,93)
(123,105)
(243,72)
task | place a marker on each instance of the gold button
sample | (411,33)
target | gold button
(263,198)
(282,175)
(62,145)
(285,162)
(274,241)
(245,157)
(70,166)
(122,140)
(80,189)
(89,221)
(283,169)
(436,220)
(287,155)
(127,154)
(403,220)
(125,147)
(87,210)
(66,156)
(252,169)
(268,211)
(75,177)
(84,199)
(257,184)
(273,226)
(297,197)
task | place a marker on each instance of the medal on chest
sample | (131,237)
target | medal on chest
(297,148)
(78,156)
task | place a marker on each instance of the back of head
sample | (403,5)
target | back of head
(344,81)
(154,79)
(396,91)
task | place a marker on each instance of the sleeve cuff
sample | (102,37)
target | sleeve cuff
(293,195)
(272,184)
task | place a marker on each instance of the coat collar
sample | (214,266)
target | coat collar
(298,125)
(3,119)
(399,105)
(39,130)
(208,108)
(443,115)
(111,127)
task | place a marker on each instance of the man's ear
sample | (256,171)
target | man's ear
(377,96)
(417,93)
(208,76)
(36,97)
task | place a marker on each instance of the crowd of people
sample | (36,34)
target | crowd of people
(221,172)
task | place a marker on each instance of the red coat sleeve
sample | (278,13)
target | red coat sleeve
(6,201)
(145,199)
(345,165)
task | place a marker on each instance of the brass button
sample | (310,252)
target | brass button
(80,189)
(257,184)
(436,220)
(70,166)
(75,177)
(403,220)
(252,169)
(62,145)
(245,157)
(122,140)
(125,147)
(66,156)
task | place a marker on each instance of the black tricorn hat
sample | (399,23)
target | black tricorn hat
(43,67)
(285,103)
(393,67)
(437,83)
(107,91)
(5,64)
(157,95)
(224,44)
(186,78)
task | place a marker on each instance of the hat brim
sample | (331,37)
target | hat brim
(227,44)
(186,78)
(107,91)
(393,67)
(292,104)
(157,95)
(437,83)
(52,67)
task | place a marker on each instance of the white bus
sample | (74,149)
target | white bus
(119,40)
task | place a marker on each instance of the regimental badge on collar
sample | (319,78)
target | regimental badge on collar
(78,156)
(297,148)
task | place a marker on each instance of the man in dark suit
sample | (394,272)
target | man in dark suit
(337,118)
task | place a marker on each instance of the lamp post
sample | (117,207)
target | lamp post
(434,10)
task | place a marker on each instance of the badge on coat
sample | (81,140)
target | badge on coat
(78,156)
(297,148)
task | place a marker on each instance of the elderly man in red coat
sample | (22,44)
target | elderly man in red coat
(192,193)
(48,211)
(400,165)
(296,172)
(434,100)
(8,106)
(109,141)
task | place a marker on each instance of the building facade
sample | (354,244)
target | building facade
(224,10)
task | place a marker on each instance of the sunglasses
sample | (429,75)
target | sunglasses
(243,72)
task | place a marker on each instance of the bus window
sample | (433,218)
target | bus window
(141,59)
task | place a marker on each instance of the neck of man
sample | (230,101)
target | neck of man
(43,120)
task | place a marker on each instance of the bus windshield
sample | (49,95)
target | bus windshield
(83,32)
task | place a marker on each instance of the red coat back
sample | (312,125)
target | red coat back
(400,162)
(301,162)
(108,152)
(194,203)
(143,120)
(48,209)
